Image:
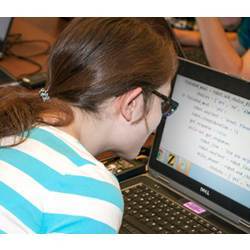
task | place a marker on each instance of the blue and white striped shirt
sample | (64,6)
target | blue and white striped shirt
(51,184)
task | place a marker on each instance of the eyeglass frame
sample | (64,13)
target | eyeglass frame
(173,105)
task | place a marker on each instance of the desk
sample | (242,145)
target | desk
(32,28)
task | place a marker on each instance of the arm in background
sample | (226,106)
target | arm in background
(193,37)
(220,53)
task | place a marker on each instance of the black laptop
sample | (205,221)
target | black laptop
(198,178)
(5,25)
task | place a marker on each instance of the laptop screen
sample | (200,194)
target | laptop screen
(5,23)
(207,139)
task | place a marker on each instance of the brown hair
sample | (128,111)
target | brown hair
(93,59)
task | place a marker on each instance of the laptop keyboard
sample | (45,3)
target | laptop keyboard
(147,211)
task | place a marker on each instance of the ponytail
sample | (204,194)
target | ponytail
(21,109)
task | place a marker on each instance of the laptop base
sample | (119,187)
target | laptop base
(167,215)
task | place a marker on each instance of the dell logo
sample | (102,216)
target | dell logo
(204,191)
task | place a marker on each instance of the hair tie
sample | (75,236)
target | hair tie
(43,93)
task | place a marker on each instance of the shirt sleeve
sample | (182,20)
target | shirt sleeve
(244,32)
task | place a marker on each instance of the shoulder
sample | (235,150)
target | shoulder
(73,191)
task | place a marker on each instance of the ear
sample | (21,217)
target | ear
(130,104)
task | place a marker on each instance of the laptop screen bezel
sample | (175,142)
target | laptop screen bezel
(221,81)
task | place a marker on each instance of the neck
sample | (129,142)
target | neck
(90,131)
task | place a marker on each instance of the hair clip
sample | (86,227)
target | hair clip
(43,93)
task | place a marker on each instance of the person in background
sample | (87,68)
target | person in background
(193,37)
(107,89)
(227,52)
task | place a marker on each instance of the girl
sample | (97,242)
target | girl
(107,88)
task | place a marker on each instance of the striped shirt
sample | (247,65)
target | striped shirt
(51,184)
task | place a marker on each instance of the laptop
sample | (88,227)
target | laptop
(192,53)
(5,24)
(198,178)
(5,76)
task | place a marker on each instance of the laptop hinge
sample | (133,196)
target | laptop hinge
(164,179)
(158,176)
(244,223)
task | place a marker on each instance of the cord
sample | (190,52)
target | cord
(15,37)
(43,52)
(15,40)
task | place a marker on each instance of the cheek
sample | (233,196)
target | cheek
(133,144)
(154,117)
(136,139)
(156,121)
(137,134)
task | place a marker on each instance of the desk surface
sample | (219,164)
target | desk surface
(32,28)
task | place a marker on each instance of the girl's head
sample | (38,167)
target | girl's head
(98,61)
(98,58)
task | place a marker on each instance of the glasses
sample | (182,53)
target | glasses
(168,106)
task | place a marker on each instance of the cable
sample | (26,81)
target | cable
(29,60)
(15,40)
(15,37)
(43,52)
